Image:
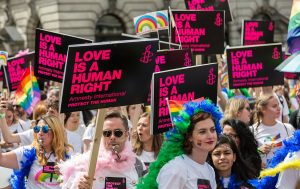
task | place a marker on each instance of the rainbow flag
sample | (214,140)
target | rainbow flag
(28,92)
(293,38)
(276,137)
(145,23)
(175,106)
(3,58)
(162,19)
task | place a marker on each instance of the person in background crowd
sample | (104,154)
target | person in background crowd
(20,114)
(284,109)
(74,130)
(146,146)
(39,110)
(238,108)
(295,116)
(14,126)
(181,162)
(267,130)
(116,161)
(245,142)
(232,172)
(53,94)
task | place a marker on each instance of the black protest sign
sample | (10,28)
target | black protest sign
(254,66)
(257,32)
(15,69)
(180,84)
(210,5)
(167,60)
(201,31)
(109,74)
(51,52)
(171,59)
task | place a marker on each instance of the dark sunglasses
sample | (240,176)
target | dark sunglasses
(45,129)
(117,133)
(16,106)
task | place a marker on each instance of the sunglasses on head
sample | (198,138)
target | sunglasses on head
(117,133)
(45,129)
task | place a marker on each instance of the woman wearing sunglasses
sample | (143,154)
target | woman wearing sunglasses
(181,162)
(37,161)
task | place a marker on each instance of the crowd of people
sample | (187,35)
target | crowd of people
(249,142)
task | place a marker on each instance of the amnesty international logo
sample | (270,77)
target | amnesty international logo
(218,20)
(147,55)
(211,77)
(275,54)
(187,60)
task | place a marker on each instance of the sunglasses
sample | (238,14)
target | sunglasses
(45,129)
(248,108)
(117,133)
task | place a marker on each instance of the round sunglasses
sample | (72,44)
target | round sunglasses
(117,133)
(45,128)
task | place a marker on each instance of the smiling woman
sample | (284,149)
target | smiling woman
(232,172)
(181,162)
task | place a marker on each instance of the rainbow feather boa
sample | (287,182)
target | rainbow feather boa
(270,175)
(174,139)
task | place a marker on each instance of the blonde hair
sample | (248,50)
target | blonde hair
(59,142)
(39,110)
(260,104)
(233,107)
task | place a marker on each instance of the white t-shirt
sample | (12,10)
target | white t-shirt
(271,135)
(75,140)
(289,178)
(37,179)
(89,132)
(184,173)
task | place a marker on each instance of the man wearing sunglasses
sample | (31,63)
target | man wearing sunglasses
(117,165)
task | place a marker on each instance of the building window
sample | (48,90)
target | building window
(109,28)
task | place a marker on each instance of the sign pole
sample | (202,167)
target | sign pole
(96,145)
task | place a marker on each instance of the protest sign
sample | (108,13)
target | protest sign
(180,84)
(15,68)
(201,31)
(3,58)
(171,59)
(108,74)
(257,32)
(51,52)
(210,5)
(254,66)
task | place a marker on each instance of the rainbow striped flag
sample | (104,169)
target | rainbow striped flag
(175,106)
(28,92)
(162,19)
(293,38)
(276,137)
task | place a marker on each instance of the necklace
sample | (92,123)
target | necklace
(47,158)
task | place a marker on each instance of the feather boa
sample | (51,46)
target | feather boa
(174,139)
(78,164)
(17,180)
(289,146)
(280,168)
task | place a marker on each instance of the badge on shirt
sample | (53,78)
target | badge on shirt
(49,167)
(203,184)
(115,183)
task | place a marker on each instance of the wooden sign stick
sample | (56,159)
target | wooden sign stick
(96,145)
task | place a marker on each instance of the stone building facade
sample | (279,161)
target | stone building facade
(106,19)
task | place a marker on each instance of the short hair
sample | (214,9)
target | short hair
(54,104)
(201,116)
(117,114)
